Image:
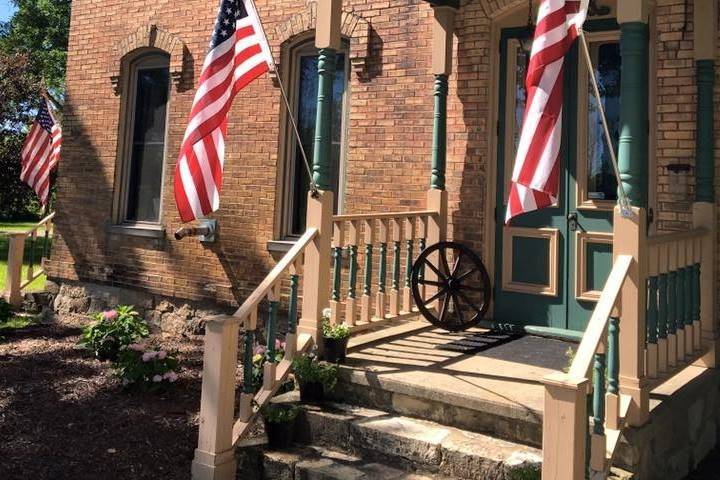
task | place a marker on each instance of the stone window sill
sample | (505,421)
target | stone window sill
(147,231)
(280,246)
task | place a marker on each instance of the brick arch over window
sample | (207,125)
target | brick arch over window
(354,28)
(149,36)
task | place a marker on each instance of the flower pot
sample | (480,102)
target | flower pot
(280,435)
(311,392)
(335,349)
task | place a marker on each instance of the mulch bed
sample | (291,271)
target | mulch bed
(63,415)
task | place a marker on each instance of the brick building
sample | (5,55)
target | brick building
(382,132)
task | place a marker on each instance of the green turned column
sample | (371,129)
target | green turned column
(292,307)
(705,142)
(323,120)
(439,146)
(633,145)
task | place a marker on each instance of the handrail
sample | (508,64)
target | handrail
(372,216)
(677,236)
(267,284)
(595,330)
(31,230)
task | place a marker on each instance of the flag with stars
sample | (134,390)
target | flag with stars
(239,53)
(41,152)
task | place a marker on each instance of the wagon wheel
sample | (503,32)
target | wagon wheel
(451,286)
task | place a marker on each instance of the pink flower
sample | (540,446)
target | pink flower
(110,315)
(138,347)
(157,378)
(259,350)
(279,345)
(161,355)
(171,377)
(147,356)
(125,382)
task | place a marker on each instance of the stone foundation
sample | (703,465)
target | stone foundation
(683,428)
(164,314)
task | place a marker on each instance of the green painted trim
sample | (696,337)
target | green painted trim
(271,330)
(352,274)
(652,310)
(323,120)
(439,145)
(599,394)
(705,140)
(408,262)
(293,303)
(680,301)
(696,292)
(248,362)
(662,306)
(671,302)
(337,273)
(613,355)
(382,271)
(396,266)
(633,144)
(687,294)
(367,285)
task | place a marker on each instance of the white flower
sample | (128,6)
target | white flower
(157,378)
(327,313)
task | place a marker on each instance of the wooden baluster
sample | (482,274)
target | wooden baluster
(421,247)
(409,240)
(612,397)
(697,328)
(672,302)
(662,310)
(249,389)
(16,253)
(382,270)
(291,337)
(597,440)
(271,365)
(687,298)
(395,292)
(366,302)
(337,247)
(31,256)
(350,303)
(46,242)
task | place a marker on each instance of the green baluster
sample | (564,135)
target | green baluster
(367,285)
(271,330)
(679,302)
(599,394)
(292,307)
(671,302)
(352,281)
(421,246)
(613,355)
(408,262)
(687,294)
(248,362)
(662,306)
(396,266)
(382,271)
(696,292)
(652,311)
(337,273)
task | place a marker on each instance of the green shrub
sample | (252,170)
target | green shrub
(113,330)
(279,413)
(146,368)
(308,369)
(337,332)
(6,311)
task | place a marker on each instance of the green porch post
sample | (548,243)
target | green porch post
(705,142)
(439,145)
(323,120)
(633,145)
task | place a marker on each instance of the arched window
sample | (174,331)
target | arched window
(303,83)
(143,139)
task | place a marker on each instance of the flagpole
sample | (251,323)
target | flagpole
(623,199)
(313,187)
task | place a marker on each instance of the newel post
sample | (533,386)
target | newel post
(16,252)
(215,453)
(565,424)
(630,238)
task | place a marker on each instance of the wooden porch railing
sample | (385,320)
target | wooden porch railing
(654,317)
(18,255)
(370,241)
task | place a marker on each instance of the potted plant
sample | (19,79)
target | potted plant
(335,340)
(314,378)
(279,424)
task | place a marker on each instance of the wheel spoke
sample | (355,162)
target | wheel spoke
(435,297)
(466,274)
(472,289)
(435,269)
(430,282)
(444,308)
(443,259)
(458,309)
(457,263)
(468,301)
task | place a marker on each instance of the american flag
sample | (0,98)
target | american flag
(536,175)
(239,53)
(41,152)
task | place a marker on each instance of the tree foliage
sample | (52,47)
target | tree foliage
(33,45)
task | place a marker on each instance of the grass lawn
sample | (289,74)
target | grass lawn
(15,323)
(15,226)
(38,283)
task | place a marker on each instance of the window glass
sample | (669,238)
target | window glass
(601,182)
(147,146)
(307,88)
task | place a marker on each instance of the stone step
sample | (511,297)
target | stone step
(410,444)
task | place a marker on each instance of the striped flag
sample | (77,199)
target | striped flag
(239,53)
(41,152)
(536,175)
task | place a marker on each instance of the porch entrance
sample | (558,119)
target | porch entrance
(552,264)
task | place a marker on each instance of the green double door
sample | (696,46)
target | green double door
(551,264)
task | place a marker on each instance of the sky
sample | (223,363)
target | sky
(6,10)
